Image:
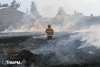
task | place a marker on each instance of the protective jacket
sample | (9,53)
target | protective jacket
(49,31)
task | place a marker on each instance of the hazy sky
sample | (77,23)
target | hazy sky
(49,8)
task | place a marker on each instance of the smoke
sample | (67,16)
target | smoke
(32,23)
(29,23)
(62,22)
(82,45)
(50,11)
(62,47)
(59,23)
(75,47)
(92,37)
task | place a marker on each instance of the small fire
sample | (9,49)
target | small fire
(39,27)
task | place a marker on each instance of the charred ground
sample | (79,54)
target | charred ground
(32,49)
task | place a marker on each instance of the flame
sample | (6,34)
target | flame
(39,27)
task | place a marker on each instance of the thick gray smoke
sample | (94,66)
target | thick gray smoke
(61,22)
(73,48)
(92,37)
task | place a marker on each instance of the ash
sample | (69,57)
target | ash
(64,50)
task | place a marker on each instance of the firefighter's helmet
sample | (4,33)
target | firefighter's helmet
(49,25)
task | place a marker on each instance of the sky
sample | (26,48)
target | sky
(49,8)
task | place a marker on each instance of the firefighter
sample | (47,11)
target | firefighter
(49,31)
